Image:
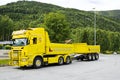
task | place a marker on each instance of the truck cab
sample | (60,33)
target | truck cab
(27,44)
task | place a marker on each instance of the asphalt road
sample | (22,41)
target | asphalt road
(106,68)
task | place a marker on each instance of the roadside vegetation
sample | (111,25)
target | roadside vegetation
(4,62)
(5,47)
(61,23)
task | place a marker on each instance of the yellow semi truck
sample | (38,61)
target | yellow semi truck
(32,47)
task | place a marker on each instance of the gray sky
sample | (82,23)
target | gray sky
(79,4)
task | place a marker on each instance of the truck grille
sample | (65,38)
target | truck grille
(16,54)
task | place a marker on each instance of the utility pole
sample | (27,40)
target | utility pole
(94,26)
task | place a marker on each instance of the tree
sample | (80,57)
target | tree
(57,27)
(6,25)
(114,41)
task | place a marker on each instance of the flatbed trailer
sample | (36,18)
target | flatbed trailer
(32,47)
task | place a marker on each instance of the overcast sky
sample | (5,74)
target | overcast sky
(79,4)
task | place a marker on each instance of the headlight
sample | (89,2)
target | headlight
(24,59)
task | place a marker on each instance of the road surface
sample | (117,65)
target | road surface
(106,68)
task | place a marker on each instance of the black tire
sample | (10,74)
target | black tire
(38,62)
(81,57)
(77,58)
(96,56)
(61,60)
(93,57)
(89,57)
(68,60)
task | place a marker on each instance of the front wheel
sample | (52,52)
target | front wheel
(38,62)
(61,60)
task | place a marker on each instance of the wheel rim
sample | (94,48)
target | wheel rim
(61,60)
(68,60)
(97,56)
(90,57)
(38,63)
(93,56)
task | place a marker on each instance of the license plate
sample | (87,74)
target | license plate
(14,62)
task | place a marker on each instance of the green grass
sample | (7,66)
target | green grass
(4,62)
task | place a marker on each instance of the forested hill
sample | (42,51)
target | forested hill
(29,13)
(110,13)
(65,22)
(113,14)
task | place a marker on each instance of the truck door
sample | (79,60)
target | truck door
(36,46)
(33,45)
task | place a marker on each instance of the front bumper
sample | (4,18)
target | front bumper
(21,62)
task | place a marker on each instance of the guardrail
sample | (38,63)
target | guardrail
(4,54)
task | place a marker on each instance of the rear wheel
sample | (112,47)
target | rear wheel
(38,62)
(93,57)
(68,60)
(96,56)
(89,57)
(60,60)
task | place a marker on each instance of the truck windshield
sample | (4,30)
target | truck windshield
(20,42)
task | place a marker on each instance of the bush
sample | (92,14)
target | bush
(7,47)
(1,46)
(118,52)
(4,62)
(108,52)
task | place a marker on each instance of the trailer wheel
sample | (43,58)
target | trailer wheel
(93,57)
(60,60)
(89,57)
(68,60)
(38,62)
(81,57)
(96,56)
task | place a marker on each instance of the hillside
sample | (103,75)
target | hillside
(113,14)
(24,13)
(110,13)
